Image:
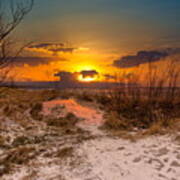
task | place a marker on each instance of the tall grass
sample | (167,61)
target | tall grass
(137,105)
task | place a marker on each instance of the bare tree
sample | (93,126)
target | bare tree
(12,12)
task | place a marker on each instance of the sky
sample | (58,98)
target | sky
(92,34)
(114,24)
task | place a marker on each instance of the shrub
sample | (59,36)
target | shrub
(84,96)
(35,111)
(124,110)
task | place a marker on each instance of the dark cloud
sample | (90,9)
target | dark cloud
(91,73)
(33,61)
(53,48)
(66,76)
(143,57)
(46,45)
(109,77)
(72,77)
(68,50)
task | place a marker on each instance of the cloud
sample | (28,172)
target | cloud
(33,61)
(66,76)
(54,48)
(143,57)
(91,73)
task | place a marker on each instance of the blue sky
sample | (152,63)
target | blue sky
(109,25)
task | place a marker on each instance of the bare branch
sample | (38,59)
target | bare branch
(18,11)
(9,20)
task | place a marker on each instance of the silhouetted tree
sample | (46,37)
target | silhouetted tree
(12,12)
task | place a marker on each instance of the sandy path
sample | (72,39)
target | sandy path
(107,158)
(90,116)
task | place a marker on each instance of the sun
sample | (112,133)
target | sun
(87,79)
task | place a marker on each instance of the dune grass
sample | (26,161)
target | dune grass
(154,106)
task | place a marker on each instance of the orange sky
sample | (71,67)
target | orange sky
(77,61)
(101,31)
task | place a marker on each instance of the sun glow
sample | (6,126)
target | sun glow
(84,67)
(87,79)
(75,62)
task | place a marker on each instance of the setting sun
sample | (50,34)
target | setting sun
(87,79)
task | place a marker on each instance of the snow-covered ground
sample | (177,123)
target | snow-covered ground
(98,156)
(152,158)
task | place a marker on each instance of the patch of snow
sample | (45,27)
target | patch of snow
(115,159)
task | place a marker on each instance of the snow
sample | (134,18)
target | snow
(121,159)
(104,157)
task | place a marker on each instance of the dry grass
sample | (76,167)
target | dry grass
(36,108)
(18,100)
(2,141)
(29,134)
(17,156)
(19,96)
(127,108)
(65,152)
(21,155)
(85,96)
(25,140)
(124,113)
(153,107)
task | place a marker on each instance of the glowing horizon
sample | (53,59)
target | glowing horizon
(75,36)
